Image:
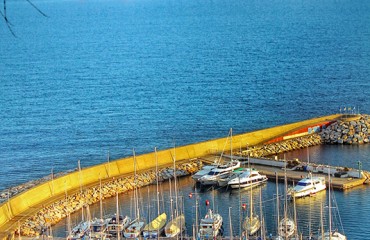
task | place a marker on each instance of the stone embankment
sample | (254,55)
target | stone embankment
(348,132)
(55,212)
(283,146)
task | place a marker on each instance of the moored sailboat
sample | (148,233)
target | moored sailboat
(331,234)
(136,226)
(156,226)
(251,222)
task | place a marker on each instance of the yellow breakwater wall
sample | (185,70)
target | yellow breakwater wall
(19,204)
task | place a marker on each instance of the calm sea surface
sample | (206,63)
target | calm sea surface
(108,76)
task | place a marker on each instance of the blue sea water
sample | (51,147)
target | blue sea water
(108,76)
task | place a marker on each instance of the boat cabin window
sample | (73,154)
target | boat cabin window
(97,228)
(212,173)
(303,184)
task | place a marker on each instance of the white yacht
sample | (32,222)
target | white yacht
(210,225)
(212,177)
(248,178)
(204,171)
(307,187)
(223,180)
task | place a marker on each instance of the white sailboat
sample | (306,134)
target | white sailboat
(156,226)
(117,223)
(98,226)
(331,234)
(252,222)
(286,226)
(136,226)
(177,224)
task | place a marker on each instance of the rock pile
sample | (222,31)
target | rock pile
(348,132)
(55,212)
(283,146)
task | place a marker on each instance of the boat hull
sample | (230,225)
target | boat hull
(248,184)
(175,227)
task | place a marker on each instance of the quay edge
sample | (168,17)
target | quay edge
(23,205)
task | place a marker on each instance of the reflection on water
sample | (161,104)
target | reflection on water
(351,203)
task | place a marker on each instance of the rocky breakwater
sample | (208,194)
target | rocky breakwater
(52,214)
(271,149)
(348,132)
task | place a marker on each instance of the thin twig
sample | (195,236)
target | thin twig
(33,5)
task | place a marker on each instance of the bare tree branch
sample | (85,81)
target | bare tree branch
(33,5)
(8,24)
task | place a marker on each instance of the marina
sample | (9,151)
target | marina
(232,167)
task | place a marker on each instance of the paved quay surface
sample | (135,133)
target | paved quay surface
(295,176)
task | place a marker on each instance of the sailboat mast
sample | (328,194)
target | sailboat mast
(117,216)
(101,201)
(231,144)
(156,177)
(322,221)
(285,198)
(175,177)
(136,201)
(171,200)
(329,205)
(262,218)
(231,226)
(277,200)
(251,204)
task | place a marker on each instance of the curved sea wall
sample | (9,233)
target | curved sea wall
(55,212)
(29,202)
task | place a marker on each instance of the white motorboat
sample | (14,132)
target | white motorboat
(307,187)
(223,180)
(248,178)
(204,171)
(210,225)
(212,177)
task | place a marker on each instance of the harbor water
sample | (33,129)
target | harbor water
(103,77)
